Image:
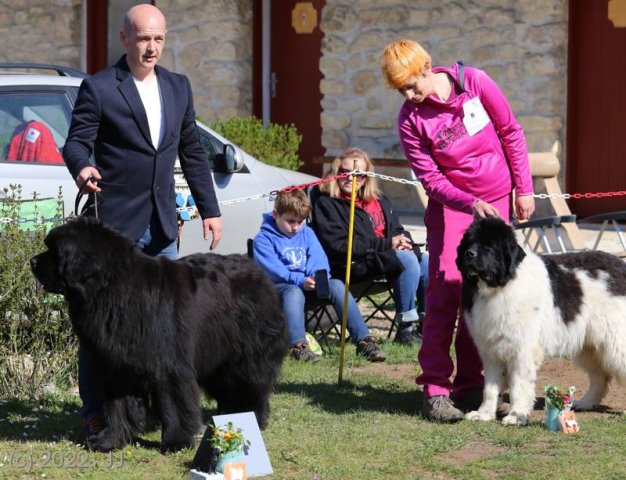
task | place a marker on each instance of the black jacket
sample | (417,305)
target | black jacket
(372,256)
(109,120)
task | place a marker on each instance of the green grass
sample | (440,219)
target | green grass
(367,428)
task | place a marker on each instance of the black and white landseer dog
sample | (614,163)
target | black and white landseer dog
(166,330)
(520,307)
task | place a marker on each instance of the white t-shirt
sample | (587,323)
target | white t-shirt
(151,98)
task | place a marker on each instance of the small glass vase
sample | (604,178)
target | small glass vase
(234,456)
(552,417)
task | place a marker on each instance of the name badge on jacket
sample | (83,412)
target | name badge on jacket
(475,117)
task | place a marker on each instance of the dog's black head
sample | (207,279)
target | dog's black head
(489,251)
(82,255)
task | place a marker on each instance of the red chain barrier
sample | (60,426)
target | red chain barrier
(291,188)
(619,193)
(311,184)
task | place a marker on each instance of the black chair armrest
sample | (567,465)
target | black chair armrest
(555,221)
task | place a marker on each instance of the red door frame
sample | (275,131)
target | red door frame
(97,30)
(297,71)
(595,105)
(97,34)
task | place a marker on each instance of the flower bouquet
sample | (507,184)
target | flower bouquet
(227,446)
(558,405)
(558,398)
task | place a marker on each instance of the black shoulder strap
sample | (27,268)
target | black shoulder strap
(461,75)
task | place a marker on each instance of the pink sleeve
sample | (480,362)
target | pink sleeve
(508,128)
(435,183)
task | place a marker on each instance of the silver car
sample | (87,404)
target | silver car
(243,183)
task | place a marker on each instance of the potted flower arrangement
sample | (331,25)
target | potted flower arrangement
(557,401)
(227,445)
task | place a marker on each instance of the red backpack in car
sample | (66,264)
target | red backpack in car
(33,142)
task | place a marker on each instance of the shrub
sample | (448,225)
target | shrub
(37,345)
(276,145)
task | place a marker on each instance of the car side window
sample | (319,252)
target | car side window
(34,126)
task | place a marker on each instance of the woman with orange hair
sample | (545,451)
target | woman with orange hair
(467,149)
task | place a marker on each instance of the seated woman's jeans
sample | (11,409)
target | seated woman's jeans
(405,285)
(293,300)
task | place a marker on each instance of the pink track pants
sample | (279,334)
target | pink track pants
(445,228)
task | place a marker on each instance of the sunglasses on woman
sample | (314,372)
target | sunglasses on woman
(359,176)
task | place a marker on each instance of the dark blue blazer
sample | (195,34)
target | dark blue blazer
(137,183)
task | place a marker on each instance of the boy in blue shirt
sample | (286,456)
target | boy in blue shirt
(290,253)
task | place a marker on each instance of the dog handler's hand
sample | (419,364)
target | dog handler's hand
(524,206)
(212,225)
(483,209)
(91,185)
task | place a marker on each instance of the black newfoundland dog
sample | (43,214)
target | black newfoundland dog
(163,330)
(520,307)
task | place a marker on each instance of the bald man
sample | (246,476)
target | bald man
(135,118)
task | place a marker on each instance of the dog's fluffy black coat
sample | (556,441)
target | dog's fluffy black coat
(520,307)
(166,329)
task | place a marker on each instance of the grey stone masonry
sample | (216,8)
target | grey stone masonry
(211,43)
(41,31)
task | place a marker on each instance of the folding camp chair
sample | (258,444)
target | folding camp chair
(606,219)
(554,229)
(545,234)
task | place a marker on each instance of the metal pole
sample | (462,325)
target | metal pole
(346,292)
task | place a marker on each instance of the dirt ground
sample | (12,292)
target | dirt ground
(558,371)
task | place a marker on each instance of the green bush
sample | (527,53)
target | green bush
(277,145)
(37,345)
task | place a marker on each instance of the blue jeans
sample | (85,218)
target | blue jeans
(293,299)
(405,285)
(89,377)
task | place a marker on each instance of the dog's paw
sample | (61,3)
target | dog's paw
(515,418)
(175,443)
(105,441)
(478,416)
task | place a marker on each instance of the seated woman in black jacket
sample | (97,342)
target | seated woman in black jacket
(380,245)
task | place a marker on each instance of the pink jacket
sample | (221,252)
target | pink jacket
(457,169)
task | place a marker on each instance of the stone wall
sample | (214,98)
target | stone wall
(521,45)
(211,43)
(41,31)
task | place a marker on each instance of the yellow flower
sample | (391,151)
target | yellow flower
(228,439)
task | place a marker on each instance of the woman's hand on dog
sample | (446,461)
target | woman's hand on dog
(483,209)
(524,208)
